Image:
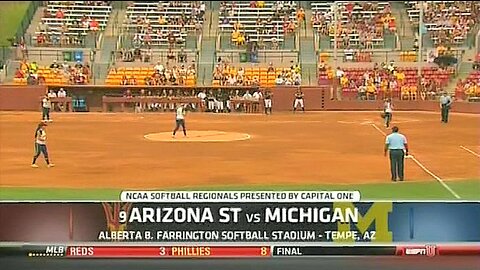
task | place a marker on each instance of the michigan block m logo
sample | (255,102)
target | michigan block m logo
(377,214)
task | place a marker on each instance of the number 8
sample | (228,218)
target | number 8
(264,251)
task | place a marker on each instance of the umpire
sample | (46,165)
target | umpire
(445,103)
(396,144)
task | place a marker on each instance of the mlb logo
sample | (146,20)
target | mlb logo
(430,250)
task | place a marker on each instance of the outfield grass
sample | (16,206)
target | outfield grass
(428,190)
(11,15)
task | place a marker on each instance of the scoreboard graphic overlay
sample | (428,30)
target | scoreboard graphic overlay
(238,225)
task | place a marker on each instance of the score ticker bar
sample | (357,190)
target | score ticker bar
(230,251)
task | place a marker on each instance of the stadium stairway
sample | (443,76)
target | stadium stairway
(37,18)
(108,44)
(207,48)
(307,53)
(405,29)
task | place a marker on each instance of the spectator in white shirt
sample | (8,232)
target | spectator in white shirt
(279,80)
(232,80)
(52,94)
(241,72)
(247,95)
(297,79)
(61,93)
(339,73)
(159,67)
(202,96)
(257,95)
(66,67)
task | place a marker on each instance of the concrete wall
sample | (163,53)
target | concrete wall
(21,98)
(26,98)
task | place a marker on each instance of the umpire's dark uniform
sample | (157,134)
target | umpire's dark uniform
(445,103)
(396,144)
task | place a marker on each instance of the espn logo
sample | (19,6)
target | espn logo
(428,250)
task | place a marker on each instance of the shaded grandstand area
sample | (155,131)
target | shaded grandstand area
(250,43)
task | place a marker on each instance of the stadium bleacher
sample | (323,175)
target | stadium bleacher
(447,22)
(264,22)
(469,88)
(161,30)
(362,23)
(66,23)
(148,76)
(230,75)
(163,23)
(407,82)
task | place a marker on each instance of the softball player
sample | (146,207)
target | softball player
(388,110)
(298,100)
(46,106)
(268,102)
(180,120)
(41,145)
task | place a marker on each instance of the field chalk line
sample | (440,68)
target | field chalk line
(470,151)
(424,168)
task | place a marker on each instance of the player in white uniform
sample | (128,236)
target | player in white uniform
(180,120)
(388,110)
(268,102)
(298,100)
(46,106)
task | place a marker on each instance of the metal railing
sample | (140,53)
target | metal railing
(42,54)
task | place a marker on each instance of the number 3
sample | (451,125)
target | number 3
(162,251)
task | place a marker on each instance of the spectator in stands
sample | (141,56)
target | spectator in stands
(59,14)
(124,80)
(240,40)
(65,67)
(78,65)
(34,67)
(132,81)
(94,25)
(182,56)
(62,93)
(51,94)
(159,67)
(270,68)
(275,44)
(247,95)
(339,73)
(322,67)
(41,39)
(300,16)
(55,67)
(371,92)
(19,74)
(279,80)
(32,79)
(24,66)
(128,93)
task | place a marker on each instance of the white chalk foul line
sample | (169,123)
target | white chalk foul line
(424,168)
(434,176)
(470,151)
(379,130)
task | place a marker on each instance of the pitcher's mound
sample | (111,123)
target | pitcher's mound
(198,136)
